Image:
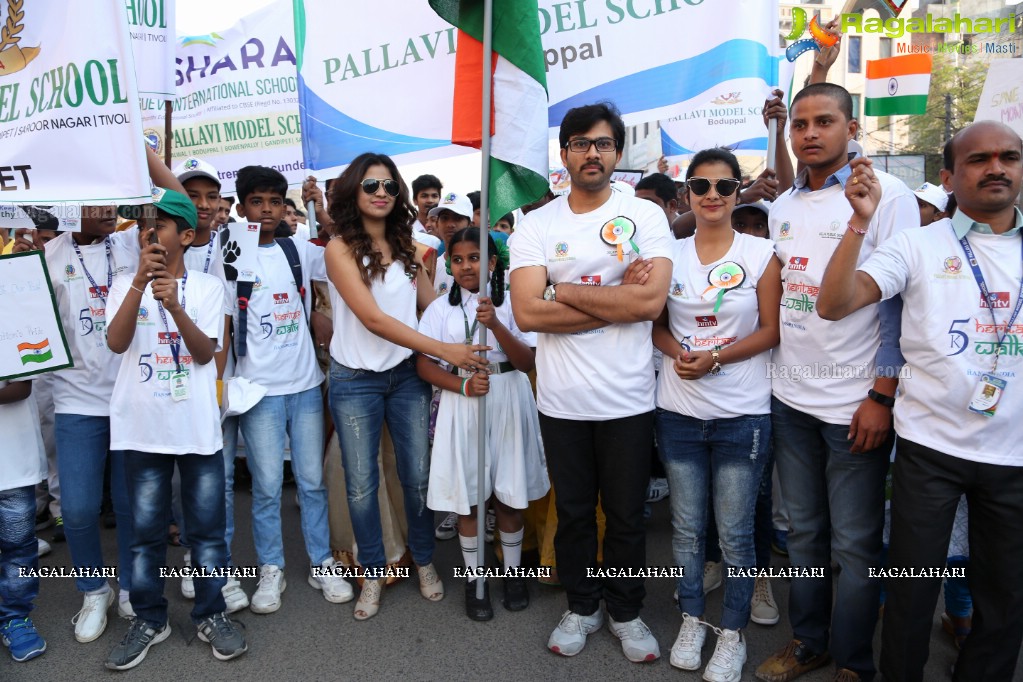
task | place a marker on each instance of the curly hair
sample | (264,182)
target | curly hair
(472,234)
(344,212)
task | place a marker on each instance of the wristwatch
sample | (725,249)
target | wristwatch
(549,293)
(881,398)
(716,367)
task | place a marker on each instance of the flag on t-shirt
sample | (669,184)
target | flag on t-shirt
(898,85)
(518,163)
(35,352)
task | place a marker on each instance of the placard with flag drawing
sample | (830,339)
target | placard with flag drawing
(32,338)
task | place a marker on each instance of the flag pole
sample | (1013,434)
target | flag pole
(481,455)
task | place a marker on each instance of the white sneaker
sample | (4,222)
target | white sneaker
(448,528)
(712,576)
(729,656)
(234,596)
(638,644)
(187,585)
(763,609)
(124,609)
(335,588)
(43,547)
(685,653)
(569,637)
(267,597)
(91,621)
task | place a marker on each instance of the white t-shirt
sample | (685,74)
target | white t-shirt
(824,368)
(209,259)
(607,373)
(427,239)
(357,347)
(280,352)
(143,415)
(85,388)
(949,337)
(22,457)
(445,322)
(741,388)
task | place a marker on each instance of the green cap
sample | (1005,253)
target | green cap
(167,200)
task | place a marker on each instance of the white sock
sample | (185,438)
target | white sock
(123,596)
(511,546)
(470,554)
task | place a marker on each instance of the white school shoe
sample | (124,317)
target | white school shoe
(267,597)
(335,588)
(638,644)
(91,620)
(234,596)
(686,652)
(569,638)
(42,547)
(729,657)
(187,585)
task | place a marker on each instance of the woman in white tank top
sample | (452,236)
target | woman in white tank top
(378,281)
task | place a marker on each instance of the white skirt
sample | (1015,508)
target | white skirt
(516,470)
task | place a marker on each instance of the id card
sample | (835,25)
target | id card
(179,386)
(987,394)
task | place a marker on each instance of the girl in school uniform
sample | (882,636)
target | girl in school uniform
(516,471)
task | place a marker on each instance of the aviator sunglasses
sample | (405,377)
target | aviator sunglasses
(724,186)
(370,186)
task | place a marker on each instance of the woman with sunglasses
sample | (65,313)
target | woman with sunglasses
(379,281)
(713,416)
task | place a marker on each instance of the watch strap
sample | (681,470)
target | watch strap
(881,398)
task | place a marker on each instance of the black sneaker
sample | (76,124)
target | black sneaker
(135,645)
(58,530)
(223,635)
(478,609)
(43,520)
(516,594)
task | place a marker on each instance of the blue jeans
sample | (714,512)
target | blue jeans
(82,446)
(360,402)
(300,415)
(835,500)
(728,455)
(17,551)
(230,427)
(202,505)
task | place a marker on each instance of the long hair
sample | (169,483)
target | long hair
(472,234)
(344,212)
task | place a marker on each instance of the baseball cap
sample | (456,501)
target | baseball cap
(195,168)
(933,195)
(454,202)
(764,206)
(176,204)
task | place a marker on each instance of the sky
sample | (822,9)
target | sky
(459,174)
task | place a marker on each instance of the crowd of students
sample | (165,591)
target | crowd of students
(771,340)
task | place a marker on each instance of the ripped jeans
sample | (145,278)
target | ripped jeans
(360,401)
(728,455)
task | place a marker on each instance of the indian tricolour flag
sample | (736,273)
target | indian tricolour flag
(898,85)
(518,164)
(35,352)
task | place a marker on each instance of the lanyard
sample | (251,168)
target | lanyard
(986,294)
(209,254)
(470,332)
(175,346)
(110,269)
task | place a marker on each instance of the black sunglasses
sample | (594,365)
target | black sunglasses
(724,186)
(371,185)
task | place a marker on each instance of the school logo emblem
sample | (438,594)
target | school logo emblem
(561,249)
(730,98)
(153,140)
(14,57)
(953,265)
(69,270)
(442,289)
(786,229)
(191,164)
(143,313)
(677,289)
(798,263)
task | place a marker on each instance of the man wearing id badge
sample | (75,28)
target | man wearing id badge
(961,280)
(167,321)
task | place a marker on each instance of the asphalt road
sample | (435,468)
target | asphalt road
(410,639)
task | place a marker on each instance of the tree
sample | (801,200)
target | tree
(956,83)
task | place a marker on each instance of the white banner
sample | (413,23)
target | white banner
(385,86)
(237,101)
(70,129)
(151,28)
(31,337)
(1002,98)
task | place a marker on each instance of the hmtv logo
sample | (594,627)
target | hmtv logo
(821,38)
